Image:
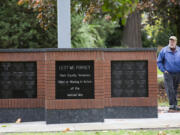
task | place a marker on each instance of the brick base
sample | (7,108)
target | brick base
(26,115)
(74,116)
(130,112)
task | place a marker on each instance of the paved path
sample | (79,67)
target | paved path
(164,120)
(160,76)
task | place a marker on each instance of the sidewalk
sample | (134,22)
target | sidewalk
(164,120)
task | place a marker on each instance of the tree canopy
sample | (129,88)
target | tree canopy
(115,8)
(20,29)
(166,11)
(95,23)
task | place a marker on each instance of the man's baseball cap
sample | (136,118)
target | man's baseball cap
(173,38)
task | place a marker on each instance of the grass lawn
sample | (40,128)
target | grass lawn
(121,132)
(159,72)
(163,103)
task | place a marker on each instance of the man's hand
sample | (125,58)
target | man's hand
(166,72)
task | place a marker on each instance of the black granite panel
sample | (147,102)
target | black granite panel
(129,79)
(74,79)
(18,80)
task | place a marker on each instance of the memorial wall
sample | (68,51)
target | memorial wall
(77,85)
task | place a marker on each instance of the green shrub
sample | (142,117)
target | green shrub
(147,42)
(161,83)
(162,37)
(90,35)
(19,28)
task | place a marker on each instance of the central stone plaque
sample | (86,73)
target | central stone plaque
(129,79)
(74,79)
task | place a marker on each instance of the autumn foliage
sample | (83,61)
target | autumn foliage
(46,10)
(115,8)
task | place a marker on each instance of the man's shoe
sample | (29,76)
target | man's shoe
(173,108)
(177,108)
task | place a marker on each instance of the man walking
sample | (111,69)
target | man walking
(169,63)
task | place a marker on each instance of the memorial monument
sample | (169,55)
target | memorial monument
(66,85)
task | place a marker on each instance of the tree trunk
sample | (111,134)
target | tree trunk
(178,35)
(176,18)
(132,31)
(178,29)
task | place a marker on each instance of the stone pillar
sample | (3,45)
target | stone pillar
(64,23)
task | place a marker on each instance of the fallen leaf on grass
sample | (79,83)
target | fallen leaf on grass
(66,130)
(161,133)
